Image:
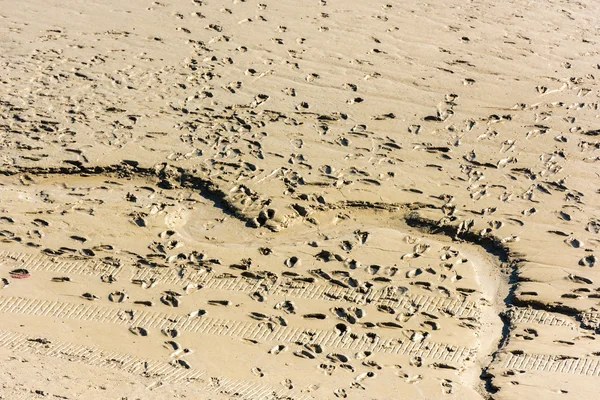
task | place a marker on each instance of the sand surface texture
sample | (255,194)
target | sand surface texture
(299,199)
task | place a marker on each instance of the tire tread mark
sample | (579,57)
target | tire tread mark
(459,308)
(42,262)
(552,363)
(527,315)
(216,326)
(85,355)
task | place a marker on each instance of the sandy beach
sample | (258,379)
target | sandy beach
(307,200)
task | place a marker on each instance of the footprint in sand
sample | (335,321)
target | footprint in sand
(287,306)
(363,355)
(197,313)
(138,331)
(287,383)
(337,358)
(172,345)
(108,278)
(446,386)
(145,283)
(413,379)
(89,296)
(304,354)
(118,297)
(314,348)
(170,332)
(327,369)
(19,273)
(278,349)
(171,299)
(315,316)
(192,288)
(573,242)
(588,261)
(293,262)
(180,353)
(222,303)
(364,376)
(258,296)
(146,303)
(180,364)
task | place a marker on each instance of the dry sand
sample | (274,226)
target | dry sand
(299,200)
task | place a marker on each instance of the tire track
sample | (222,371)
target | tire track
(95,357)
(239,329)
(288,288)
(553,363)
(250,391)
(520,315)
(456,307)
(39,262)
(165,372)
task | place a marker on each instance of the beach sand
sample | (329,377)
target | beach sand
(299,200)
